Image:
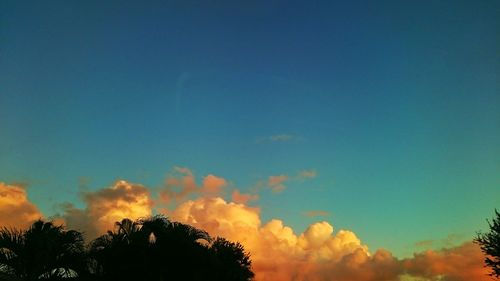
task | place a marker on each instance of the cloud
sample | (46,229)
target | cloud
(316,213)
(320,253)
(181,183)
(15,208)
(276,183)
(178,185)
(447,242)
(461,263)
(107,206)
(278,252)
(278,138)
(282,137)
(213,184)
(306,174)
(243,198)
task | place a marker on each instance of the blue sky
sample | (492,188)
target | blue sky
(395,106)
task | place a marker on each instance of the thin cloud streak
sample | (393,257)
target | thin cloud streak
(278,138)
(316,213)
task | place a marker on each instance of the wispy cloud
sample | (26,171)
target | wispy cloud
(316,213)
(277,183)
(278,138)
(306,174)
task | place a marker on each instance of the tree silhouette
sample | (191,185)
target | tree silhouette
(158,249)
(176,249)
(490,245)
(43,251)
(232,263)
(119,254)
(154,248)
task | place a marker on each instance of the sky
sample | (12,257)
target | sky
(380,118)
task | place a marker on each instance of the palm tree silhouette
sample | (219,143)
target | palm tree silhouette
(232,263)
(117,254)
(157,249)
(43,251)
(154,248)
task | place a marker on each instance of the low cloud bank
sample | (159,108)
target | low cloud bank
(279,253)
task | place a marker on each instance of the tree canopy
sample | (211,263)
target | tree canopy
(490,245)
(154,248)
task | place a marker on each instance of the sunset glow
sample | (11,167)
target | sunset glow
(335,140)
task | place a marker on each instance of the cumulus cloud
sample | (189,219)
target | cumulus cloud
(16,210)
(278,252)
(320,253)
(107,206)
(213,184)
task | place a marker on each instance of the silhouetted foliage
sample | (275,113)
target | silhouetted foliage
(231,261)
(43,251)
(490,245)
(149,249)
(152,249)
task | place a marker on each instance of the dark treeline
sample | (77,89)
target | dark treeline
(148,249)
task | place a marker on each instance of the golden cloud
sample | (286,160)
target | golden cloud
(278,252)
(15,208)
(107,206)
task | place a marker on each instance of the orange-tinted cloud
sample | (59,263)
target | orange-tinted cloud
(320,253)
(213,184)
(461,263)
(279,253)
(276,183)
(181,183)
(243,198)
(178,185)
(15,208)
(107,206)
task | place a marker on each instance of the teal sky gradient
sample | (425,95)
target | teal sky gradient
(394,105)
